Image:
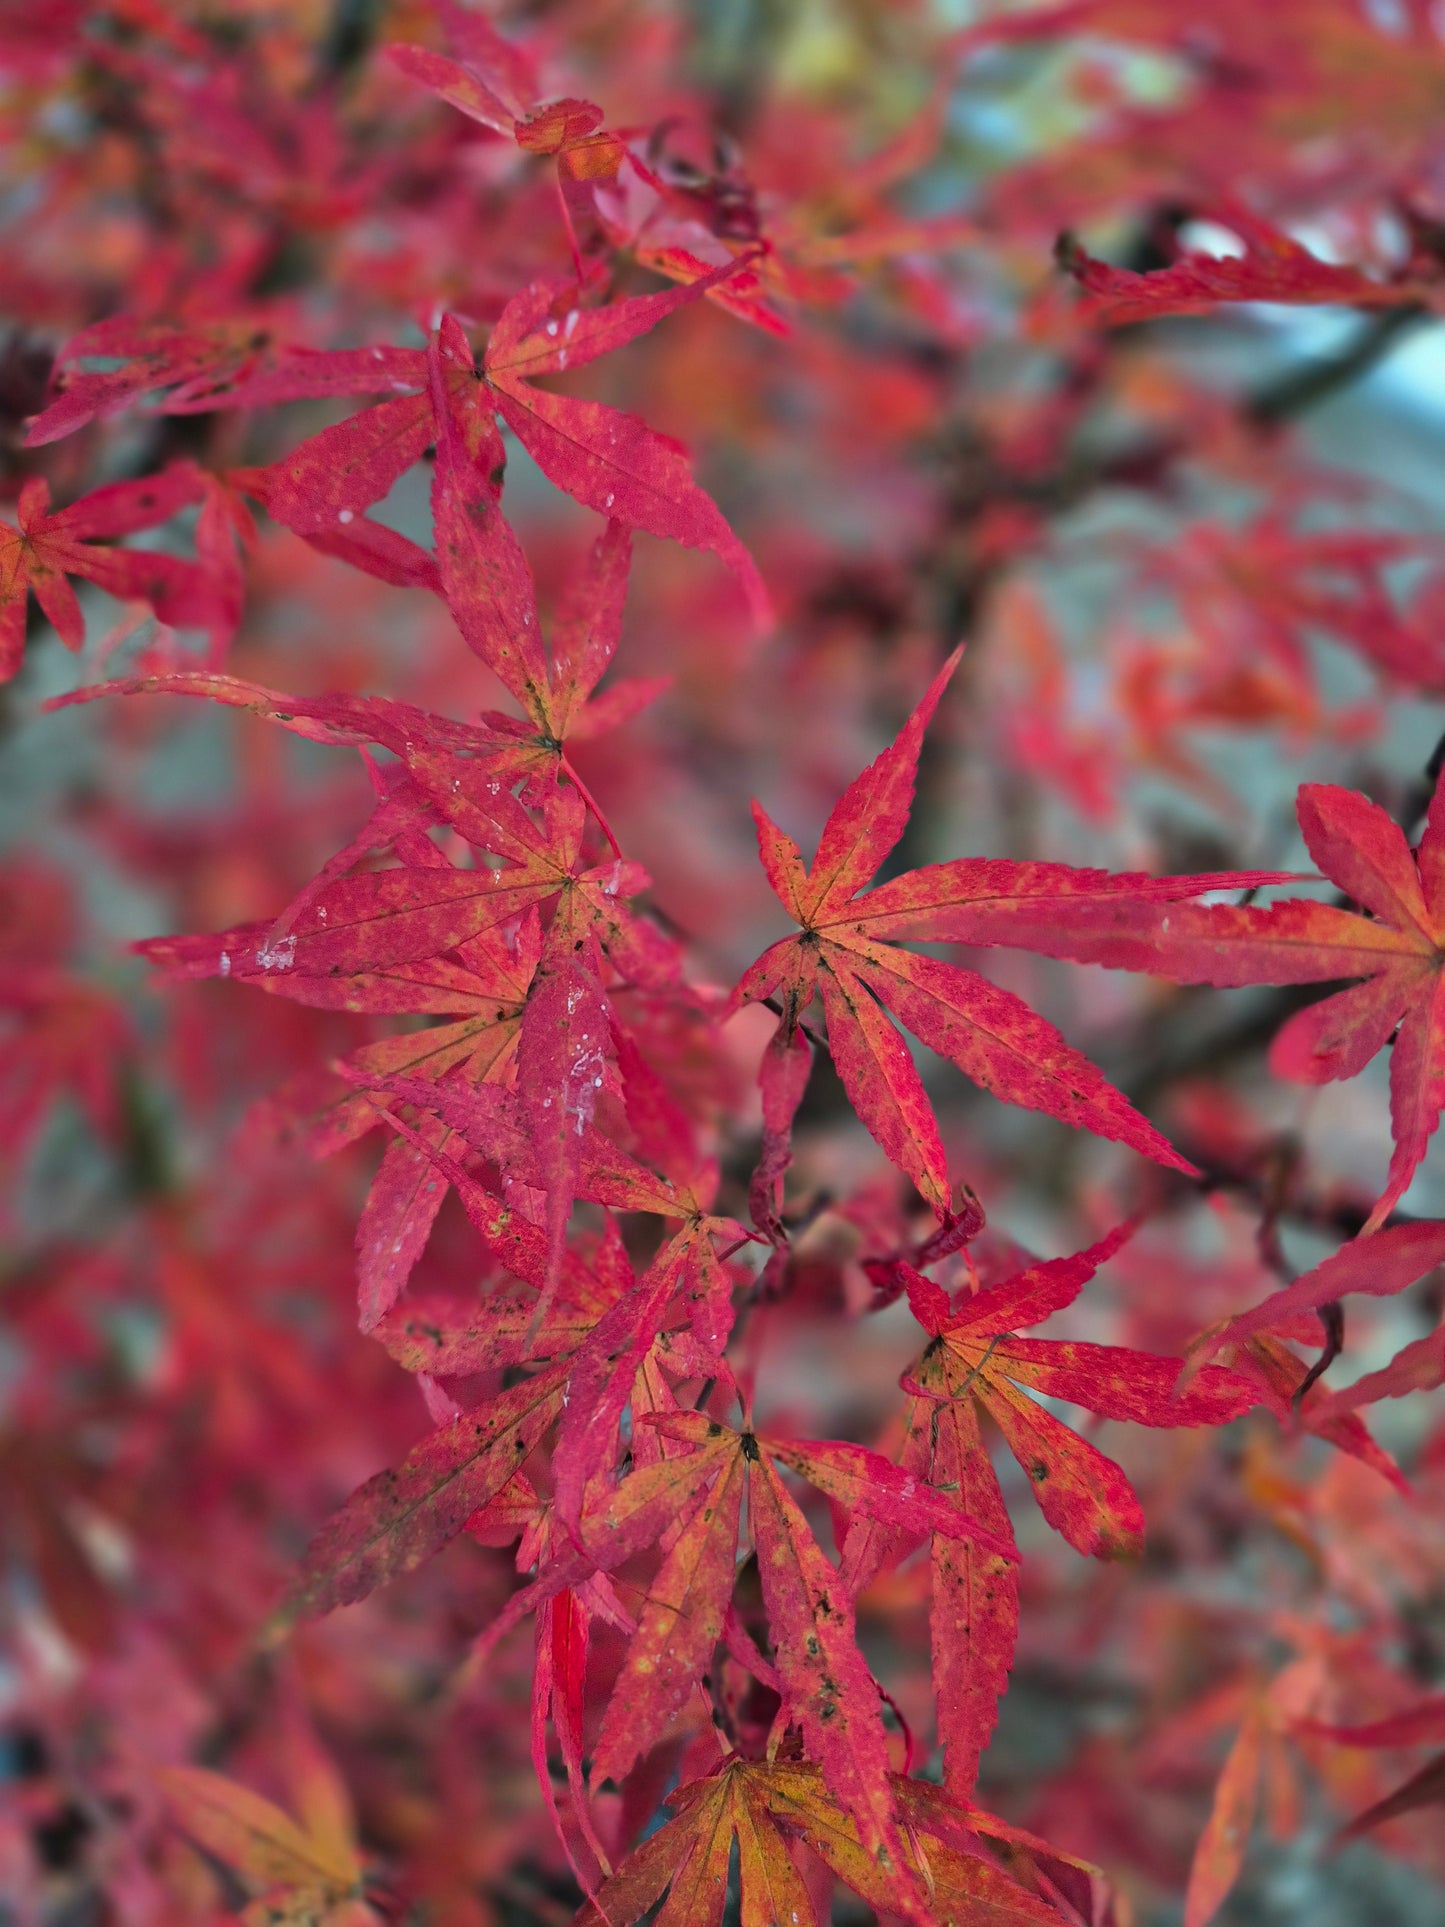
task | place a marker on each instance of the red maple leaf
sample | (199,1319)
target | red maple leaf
(977,1367)
(847,953)
(51,545)
(1272,267)
(1393,946)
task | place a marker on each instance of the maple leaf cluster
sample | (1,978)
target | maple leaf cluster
(526,1406)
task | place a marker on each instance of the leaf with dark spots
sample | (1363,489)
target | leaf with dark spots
(404,1515)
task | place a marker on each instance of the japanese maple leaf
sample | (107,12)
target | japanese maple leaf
(506,1330)
(535,1008)
(488,587)
(686,1285)
(617,1333)
(558,696)
(404,1515)
(625,1339)
(1255,594)
(495,83)
(563,1638)
(465,1476)
(151,355)
(607,460)
(1416,1367)
(484,992)
(1379,1263)
(1273,267)
(301,1872)
(975,1365)
(233,365)
(688,1858)
(496,1122)
(765,1806)
(49,546)
(845,954)
(1394,945)
(565,1037)
(205,363)
(693,1504)
(345,533)
(1256,1760)
(322,488)
(829,1692)
(1296,1394)
(424,907)
(668,1496)
(516,1078)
